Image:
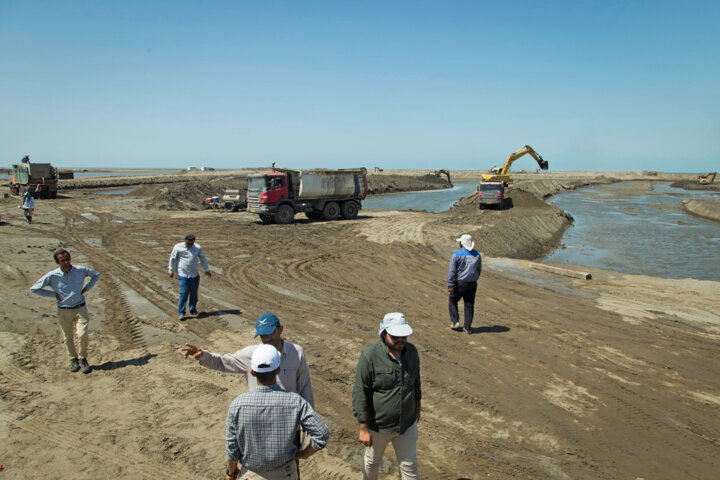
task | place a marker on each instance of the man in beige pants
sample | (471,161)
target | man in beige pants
(67,285)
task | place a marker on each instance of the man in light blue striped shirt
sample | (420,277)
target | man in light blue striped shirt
(261,425)
(67,285)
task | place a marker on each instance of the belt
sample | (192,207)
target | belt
(73,308)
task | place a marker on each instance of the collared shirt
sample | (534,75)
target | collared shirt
(68,285)
(387,391)
(183,260)
(261,425)
(294,373)
(465,266)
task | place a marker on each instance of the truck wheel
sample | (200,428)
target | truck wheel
(285,214)
(229,207)
(265,218)
(15,189)
(331,211)
(349,210)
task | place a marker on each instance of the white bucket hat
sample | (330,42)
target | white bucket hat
(466,241)
(396,325)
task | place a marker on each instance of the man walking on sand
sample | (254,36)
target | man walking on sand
(386,398)
(28,205)
(67,285)
(261,425)
(463,273)
(183,261)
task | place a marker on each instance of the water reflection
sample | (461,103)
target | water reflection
(625,228)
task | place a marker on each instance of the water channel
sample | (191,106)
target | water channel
(628,227)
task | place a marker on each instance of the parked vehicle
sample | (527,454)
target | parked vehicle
(491,194)
(40,179)
(321,194)
(232,202)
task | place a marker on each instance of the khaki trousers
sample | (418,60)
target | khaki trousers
(286,472)
(405,451)
(66,318)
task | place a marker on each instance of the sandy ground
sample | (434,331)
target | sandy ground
(611,378)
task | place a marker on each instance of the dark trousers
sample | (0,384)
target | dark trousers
(188,290)
(466,291)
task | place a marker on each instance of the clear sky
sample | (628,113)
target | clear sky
(602,85)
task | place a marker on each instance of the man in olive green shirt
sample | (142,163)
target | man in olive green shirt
(386,398)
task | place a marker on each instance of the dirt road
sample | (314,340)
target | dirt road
(611,378)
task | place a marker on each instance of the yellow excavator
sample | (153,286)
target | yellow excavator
(707,179)
(503,174)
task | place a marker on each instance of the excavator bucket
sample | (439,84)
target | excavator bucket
(543,163)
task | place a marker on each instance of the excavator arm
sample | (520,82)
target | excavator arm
(504,174)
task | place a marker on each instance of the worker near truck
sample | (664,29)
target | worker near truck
(28,205)
(67,285)
(386,398)
(184,262)
(463,274)
(261,425)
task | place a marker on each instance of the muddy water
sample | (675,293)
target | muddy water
(639,228)
(430,201)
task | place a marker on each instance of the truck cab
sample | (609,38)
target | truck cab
(265,192)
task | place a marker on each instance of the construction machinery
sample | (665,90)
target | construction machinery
(40,179)
(438,173)
(503,174)
(321,194)
(491,194)
(707,178)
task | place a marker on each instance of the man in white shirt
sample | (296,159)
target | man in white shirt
(184,262)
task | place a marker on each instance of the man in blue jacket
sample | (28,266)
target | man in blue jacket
(464,271)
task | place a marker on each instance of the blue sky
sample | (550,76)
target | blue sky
(607,85)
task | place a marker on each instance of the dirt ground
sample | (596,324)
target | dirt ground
(610,378)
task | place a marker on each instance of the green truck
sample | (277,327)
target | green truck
(40,179)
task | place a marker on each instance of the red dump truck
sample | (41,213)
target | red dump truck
(321,194)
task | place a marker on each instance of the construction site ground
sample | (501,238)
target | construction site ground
(611,378)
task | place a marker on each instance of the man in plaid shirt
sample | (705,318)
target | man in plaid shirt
(261,426)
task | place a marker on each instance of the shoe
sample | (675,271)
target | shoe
(469,332)
(181,317)
(193,312)
(74,365)
(455,325)
(85,367)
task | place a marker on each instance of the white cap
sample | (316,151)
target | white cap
(396,325)
(265,358)
(466,241)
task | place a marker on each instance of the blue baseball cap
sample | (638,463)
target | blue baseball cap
(266,324)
